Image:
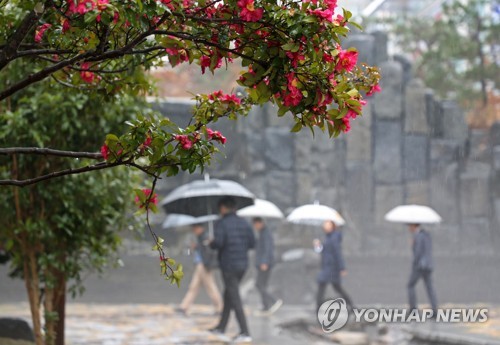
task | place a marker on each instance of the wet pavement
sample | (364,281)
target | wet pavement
(133,305)
(157,324)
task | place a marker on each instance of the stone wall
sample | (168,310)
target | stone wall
(409,147)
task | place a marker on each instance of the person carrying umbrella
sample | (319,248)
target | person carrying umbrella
(205,262)
(422,266)
(233,237)
(332,263)
(264,260)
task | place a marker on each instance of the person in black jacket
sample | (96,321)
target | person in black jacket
(233,237)
(422,266)
(264,261)
(203,273)
(332,263)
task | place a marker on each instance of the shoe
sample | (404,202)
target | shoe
(275,306)
(261,313)
(219,334)
(242,338)
(215,331)
(181,311)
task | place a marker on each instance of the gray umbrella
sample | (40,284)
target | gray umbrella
(200,198)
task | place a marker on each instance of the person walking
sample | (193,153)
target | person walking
(422,266)
(233,237)
(264,261)
(205,263)
(332,263)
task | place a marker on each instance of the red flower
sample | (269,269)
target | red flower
(351,114)
(230,99)
(184,140)
(331,4)
(375,88)
(216,135)
(102,4)
(182,54)
(66,25)
(147,193)
(248,11)
(147,142)
(105,151)
(81,6)
(294,95)
(87,75)
(347,60)
(347,124)
(204,63)
(295,57)
(322,14)
(40,31)
(215,95)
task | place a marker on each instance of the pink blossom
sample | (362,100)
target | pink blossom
(66,25)
(295,57)
(322,14)
(231,99)
(148,141)
(40,31)
(347,60)
(347,124)
(153,199)
(331,4)
(294,95)
(184,140)
(215,95)
(182,54)
(105,151)
(87,75)
(248,11)
(81,6)
(374,89)
(216,135)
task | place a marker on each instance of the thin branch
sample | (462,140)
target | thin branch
(35,77)
(27,182)
(49,152)
(31,52)
(14,41)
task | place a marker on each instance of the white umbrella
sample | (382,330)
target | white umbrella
(315,214)
(179,220)
(200,198)
(261,208)
(413,214)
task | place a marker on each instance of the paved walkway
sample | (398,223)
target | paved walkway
(150,324)
(156,324)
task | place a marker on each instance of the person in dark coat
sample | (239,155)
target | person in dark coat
(233,237)
(332,263)
(422,266)
(264,262)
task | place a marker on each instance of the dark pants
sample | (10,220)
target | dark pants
(320,297)
(426,275)
(261,284)
(232,300)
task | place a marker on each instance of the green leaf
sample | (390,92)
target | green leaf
(297,127)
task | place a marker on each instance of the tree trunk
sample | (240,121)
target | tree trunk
(32,287)
(50,318)
(60,305)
